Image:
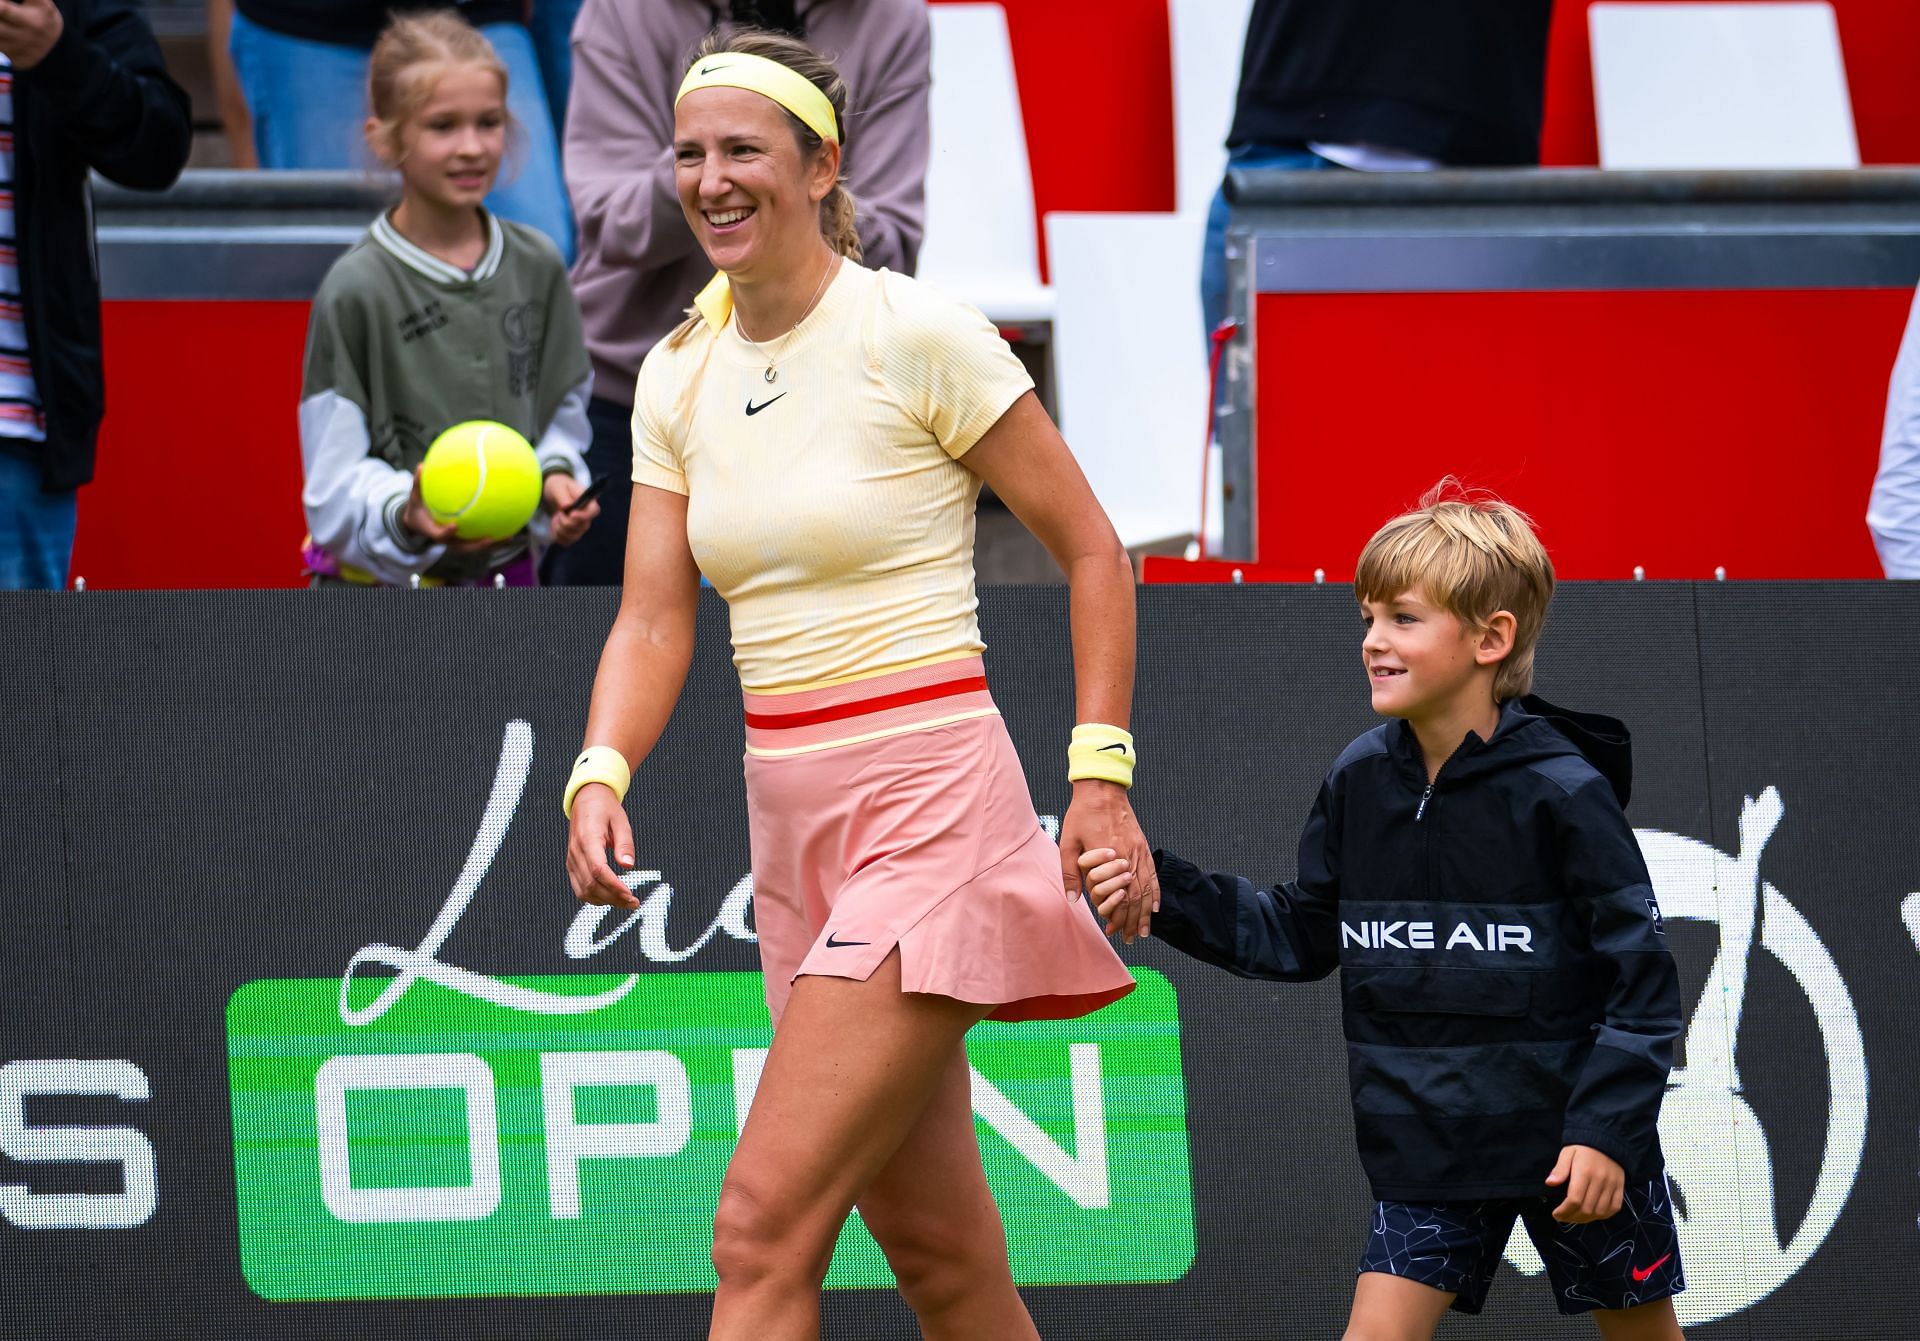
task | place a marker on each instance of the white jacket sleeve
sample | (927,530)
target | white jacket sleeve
(562,449)
(564,445)
(1893,511)
(353,501)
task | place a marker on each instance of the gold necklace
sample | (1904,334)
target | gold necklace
(770,374)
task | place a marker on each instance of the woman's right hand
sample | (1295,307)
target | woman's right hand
(599,825)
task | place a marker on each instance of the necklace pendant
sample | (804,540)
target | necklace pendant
(770,374)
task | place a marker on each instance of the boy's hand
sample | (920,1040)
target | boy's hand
(1108,879)
(1594,1185)
(1101,819)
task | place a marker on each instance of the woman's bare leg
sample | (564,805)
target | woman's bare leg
(932,1213)
(852,1068)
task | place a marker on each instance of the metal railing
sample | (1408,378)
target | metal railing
(1542,230)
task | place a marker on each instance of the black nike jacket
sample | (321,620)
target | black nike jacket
(1505,979)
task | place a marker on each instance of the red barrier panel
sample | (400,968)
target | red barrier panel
(198,481)
(1680,431)
(1640,428)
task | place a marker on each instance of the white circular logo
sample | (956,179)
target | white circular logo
(1717,1151)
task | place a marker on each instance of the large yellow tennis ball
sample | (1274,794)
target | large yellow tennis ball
(483,477)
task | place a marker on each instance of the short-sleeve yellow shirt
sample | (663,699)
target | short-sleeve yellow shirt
(829,507)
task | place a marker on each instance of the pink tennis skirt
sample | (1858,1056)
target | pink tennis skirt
(892,812)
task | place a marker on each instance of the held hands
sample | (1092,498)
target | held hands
(599,825)
(556,492)
(28,30)
(1594,1185)
(1103,851)
(1109,881)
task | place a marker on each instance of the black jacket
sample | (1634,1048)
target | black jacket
(1460,81)
(1505,978)
(100,100)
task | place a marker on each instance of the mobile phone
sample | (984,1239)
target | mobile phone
(588,494)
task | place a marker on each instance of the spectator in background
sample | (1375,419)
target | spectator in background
(442,314)
(302,65)
(235,121)
(1893,511)
(639,265)
(551,23)
(82,89)
(1386,86)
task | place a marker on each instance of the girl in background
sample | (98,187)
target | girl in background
(443,313)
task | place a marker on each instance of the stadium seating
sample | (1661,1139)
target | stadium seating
(1721,86)
(980,241)
(1128,349)
(1207,37)
(1129,358)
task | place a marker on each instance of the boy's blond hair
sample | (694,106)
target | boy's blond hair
(1472,555)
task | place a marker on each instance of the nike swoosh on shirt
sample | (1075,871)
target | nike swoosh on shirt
(753,409)
(832,944)
(1641,1273)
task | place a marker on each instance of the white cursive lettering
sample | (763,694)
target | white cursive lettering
(579,942)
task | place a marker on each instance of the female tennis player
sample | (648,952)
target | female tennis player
(813,440)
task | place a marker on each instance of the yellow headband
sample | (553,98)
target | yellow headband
(770,79)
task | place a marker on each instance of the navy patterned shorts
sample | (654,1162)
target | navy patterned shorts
(1456,1246)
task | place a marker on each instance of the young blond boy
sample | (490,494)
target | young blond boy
(1510,1004)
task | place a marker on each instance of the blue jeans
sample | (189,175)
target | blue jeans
(552,26)
(308,100)
(1213,259)
(36,528)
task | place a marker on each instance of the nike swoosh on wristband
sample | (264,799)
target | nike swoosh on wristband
(1641,1273)
(1117,745)
(832,944)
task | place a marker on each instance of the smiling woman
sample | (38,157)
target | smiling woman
(744,118)
(812,439)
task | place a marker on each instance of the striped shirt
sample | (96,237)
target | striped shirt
(20,412)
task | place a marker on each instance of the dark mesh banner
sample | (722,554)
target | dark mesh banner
(305,1037)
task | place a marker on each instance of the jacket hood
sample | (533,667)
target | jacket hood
(1602,741)
(1532,729)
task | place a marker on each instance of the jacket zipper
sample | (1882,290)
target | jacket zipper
(1426,841)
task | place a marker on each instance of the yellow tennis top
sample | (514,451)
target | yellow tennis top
(830,507)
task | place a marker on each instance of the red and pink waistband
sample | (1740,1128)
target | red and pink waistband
(884,705)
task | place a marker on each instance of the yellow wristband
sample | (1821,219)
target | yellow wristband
(1101,751)
(597,763)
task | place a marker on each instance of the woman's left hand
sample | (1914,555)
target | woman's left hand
(1100,816)
(558,491)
